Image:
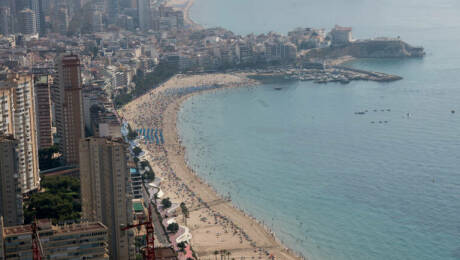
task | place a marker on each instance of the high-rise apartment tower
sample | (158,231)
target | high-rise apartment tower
(43,110)
(10,187)
(66,95)
(17,118)
(106,191)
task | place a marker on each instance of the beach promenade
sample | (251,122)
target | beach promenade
(215,224)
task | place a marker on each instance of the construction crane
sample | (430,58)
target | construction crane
(149,251)
(37,249)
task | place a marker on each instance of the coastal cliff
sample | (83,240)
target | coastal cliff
(365,49)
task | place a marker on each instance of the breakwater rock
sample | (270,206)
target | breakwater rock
(377,48)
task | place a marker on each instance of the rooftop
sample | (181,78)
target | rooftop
(138,207)
(340,28)
(165,252)
(17,230)
(45,224)
(80,227)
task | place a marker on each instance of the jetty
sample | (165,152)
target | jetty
(321,74)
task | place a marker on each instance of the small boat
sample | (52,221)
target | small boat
(278,88)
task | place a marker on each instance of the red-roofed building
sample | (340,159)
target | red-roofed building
(165,253)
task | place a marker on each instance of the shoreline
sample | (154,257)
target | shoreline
(223,225)
(248,236)
(213,194)
(212,226)
(185,6)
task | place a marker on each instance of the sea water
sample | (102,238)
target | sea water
(333,184)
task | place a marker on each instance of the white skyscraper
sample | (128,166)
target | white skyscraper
(5,20)
(144,14)
(28,21)
(35,7)
(17,118)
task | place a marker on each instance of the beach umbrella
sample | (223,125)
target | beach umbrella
(161,136)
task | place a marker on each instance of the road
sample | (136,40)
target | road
(160,233)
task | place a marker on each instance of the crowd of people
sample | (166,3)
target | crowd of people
(149,111)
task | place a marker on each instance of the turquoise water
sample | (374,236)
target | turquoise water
(332,184)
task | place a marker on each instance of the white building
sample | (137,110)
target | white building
(341,35)
(17,118)
(28,22)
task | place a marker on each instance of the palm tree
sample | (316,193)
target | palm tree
(216,253)
(228,255)
(185,212)
(222,253)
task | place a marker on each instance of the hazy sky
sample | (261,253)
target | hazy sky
(282,15)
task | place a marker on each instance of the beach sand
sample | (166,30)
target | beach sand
(220,226)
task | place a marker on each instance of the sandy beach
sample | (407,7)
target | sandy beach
(215,224)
